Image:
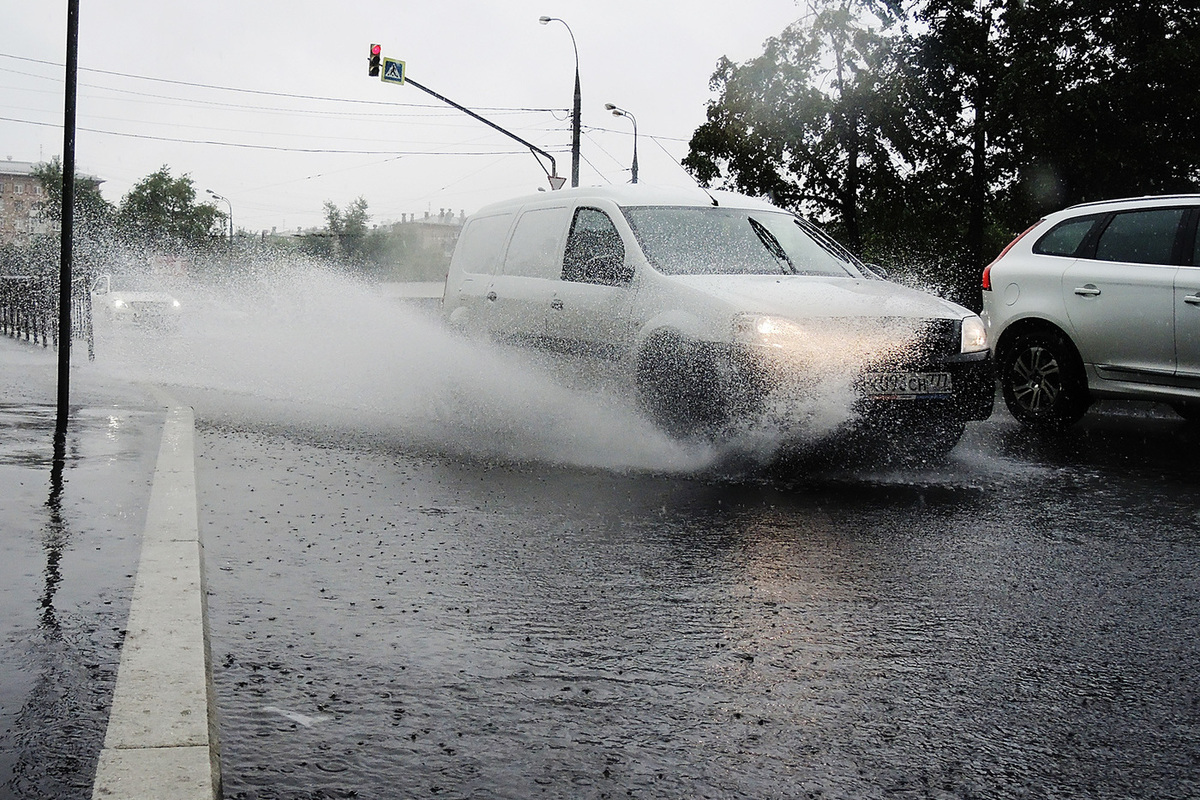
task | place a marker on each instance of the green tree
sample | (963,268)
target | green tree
(936,139)
(956,134)
(800,123)
(1104,99)
(163,210)
(91,209)
(348,227)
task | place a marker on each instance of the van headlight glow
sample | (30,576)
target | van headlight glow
(974,335)
(767,331)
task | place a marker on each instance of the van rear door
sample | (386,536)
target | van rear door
(476,259)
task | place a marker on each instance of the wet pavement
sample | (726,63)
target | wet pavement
(66,568)
(1021,623)
(389,619)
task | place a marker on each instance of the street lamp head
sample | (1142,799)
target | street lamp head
(610,107)
(545,20)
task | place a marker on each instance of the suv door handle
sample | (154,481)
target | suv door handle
(557,304)
(1192,299)
(491,295)
(1087,291)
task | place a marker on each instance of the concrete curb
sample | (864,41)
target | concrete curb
(161,742)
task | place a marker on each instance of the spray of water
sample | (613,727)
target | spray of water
(302,343)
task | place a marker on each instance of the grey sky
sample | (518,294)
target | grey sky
(652,57)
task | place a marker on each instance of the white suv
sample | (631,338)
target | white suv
(717,306)
(1098,300)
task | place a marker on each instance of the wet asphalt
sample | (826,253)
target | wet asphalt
(1022,622)
(67,561)
(389,621)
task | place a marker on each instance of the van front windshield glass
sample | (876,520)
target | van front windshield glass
(732,241)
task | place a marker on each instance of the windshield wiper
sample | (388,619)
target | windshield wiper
(773,246)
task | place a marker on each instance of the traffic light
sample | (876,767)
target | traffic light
(373,60)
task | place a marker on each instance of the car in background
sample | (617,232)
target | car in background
(1100,300)
(717,307)
(134,300)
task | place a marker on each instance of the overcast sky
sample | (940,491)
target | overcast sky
(254,98)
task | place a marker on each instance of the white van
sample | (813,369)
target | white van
(713,303)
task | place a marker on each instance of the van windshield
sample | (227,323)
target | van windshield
(689,240)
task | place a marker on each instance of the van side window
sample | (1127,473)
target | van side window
(595,252)
(1140,237)
(533,251)
(479,244)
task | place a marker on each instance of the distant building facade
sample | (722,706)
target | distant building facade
(437,233)
(21,196)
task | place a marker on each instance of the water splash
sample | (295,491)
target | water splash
(296,342)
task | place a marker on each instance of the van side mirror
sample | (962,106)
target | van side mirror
(607,269)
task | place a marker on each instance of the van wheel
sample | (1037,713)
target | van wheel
(1043,380)
(679,388)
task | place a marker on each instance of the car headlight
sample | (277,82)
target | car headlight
(767,331)
(974,335)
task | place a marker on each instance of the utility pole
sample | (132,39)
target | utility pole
(68,227)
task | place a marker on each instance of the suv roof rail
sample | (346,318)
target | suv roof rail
(1135,199)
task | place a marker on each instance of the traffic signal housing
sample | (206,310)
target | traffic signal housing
(373,60)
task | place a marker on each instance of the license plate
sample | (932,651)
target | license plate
(906,385)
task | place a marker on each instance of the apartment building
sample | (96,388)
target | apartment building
(21,196)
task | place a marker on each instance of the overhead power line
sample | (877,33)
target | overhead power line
(262,92)
(246,146)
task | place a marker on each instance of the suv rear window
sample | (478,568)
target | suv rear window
(1065,238)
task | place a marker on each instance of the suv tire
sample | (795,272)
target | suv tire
(1042,378)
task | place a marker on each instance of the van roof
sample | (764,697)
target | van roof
(639,194)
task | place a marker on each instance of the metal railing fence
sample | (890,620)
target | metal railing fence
(29,309)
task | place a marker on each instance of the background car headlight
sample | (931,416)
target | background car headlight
(974,335)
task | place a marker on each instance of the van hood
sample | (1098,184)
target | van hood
(801,297)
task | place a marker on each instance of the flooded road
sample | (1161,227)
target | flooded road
(435,571)
(1022,622)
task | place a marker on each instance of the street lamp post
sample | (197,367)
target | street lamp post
(575,112)
(620,112)
(226,201)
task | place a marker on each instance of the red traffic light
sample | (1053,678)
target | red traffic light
(373,61)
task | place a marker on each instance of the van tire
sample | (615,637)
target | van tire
(679,387)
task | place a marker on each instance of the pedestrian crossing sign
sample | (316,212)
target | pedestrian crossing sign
(393,71)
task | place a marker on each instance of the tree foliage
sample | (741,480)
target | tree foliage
(91,209)
(162,210)
(932,133)
(349,229)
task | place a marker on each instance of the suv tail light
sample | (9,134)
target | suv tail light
(987,271)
